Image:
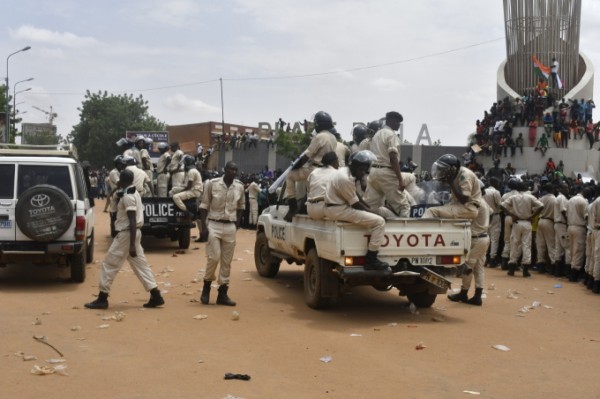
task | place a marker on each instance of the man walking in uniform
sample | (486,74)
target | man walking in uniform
(385,183)
(576,211)
(521,207)
(223,203)
(127,245)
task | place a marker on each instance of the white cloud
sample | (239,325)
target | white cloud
(67,39)
(179,102)
(385,84)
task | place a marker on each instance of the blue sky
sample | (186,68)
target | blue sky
(434,61)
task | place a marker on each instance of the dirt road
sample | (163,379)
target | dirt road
(370,337)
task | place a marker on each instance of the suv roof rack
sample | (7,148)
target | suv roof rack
(52,150)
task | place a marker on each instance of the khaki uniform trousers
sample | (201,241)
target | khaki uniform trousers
(495,230)
(219,248)
(476,261)
(150,175)
(116,256)
(162,185)
(382,185)
(520,242)
(508,223)
(452,210)
(596,271)
(316,210)
(300,174)
(185,195)
(589,252)
(177,185)
(375,223)
(253,210)
(577,245)
(561,243)
(545,241)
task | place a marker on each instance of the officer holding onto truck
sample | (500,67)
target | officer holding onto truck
(162,180)
(141,181)
(126,146)
(465,199)
(316,185)
(385,181)
(126,245)
(176,169)
(223,203)
(253,190)
(193,182)
(342,203)
(323,142)
(146,161)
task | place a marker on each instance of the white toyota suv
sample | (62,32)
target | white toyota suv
(46,215)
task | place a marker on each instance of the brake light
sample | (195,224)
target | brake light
(354,261)
(80,227)
(449,260)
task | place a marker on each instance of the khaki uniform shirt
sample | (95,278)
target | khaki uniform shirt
(365,144)
(522,205)
(253,190)
(481,223)
(129,202)
(195,177)
(113,179)
(317,182)
(175,166)
(342,151)
(560,206)
(549,201)
(595,215)
(140,178)
(493,199)
(146,162)
(341,189)
(383,143)
(576,209)
(468,184)
(222,202)
(138,157)
(320,145)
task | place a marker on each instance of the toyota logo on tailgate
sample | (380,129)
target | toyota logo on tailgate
(39,200)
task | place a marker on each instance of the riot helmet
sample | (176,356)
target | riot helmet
(445,168)
(322,121)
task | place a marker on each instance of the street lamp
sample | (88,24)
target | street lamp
(7,122)
(15,97)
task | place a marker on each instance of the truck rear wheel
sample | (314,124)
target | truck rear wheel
(422,299)
(266,264)
(313,280)
(184,238)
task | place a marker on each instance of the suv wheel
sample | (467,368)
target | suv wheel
(44,213)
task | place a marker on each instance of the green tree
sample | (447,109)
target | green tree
(104,119)
(43,138)
(291,145)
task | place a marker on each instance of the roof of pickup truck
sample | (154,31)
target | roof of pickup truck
(29,150)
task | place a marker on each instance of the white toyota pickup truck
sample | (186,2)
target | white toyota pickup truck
(420,252)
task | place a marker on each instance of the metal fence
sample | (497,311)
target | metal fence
(545,29)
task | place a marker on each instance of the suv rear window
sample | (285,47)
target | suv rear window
(7,177)
(54,175)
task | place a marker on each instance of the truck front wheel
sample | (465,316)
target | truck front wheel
(422,299)
(266,264)
(313,281)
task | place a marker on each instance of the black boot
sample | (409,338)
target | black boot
(476,300)
(156,299)
(504,263)
(373,263)
(222,298)
(596,289)
(459,296)
(100,303)
(590,282)
(205,296)
(542,268)
(293,208)
(526,271)
(493,263)
(562,270)
(511,269)
(574,275)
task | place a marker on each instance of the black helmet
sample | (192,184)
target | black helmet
(513,183)
(162,147)
(322,121)
(445,168)
(188,161)
(127,160)
(123,142)
(118,161)
(359,133)
(364,157)
(374,126)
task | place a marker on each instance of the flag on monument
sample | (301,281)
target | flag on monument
(543,71)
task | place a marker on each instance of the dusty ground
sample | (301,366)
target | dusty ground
(370,336)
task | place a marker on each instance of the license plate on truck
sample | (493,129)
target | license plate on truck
(422,260)
(435,279)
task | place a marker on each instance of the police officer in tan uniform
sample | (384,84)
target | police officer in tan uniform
(545,237)
(221,210)
(493,198)
(253,190)
(146,162)
(561,244)
(465,199)
(141,181)
(480,242)
(342,203)
(162,180)
(385,184)
(595,226)
(576,211)
(590,193)
(513,183)
(176,169)
(323,142)
(193,184)
(317,185)
(126,245)
(521,207)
